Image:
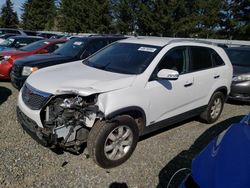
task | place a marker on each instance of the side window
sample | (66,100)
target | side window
(175,59)
(216,59)
(200,59)
(51,48)
(25,41)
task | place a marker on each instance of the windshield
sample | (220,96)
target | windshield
(239,57)
(72,48)
(7,42)
(34,46)
(126,58)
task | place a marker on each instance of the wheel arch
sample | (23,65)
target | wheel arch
(134,111)
(223,90)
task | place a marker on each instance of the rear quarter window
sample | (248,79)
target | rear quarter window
(216,59)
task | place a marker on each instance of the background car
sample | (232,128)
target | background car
(38,47)
(240,58)
(75,49)
(16,42)
(30,33)
(47,35)
(5,36)
(225,161)
(14,31)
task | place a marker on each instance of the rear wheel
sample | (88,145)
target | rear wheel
(214,108)
(111,144)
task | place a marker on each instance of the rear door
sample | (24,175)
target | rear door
(201,69)
(169,98)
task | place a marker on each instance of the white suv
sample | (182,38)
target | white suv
(125,90)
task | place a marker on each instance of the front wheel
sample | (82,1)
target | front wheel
(214,108)
(111,144)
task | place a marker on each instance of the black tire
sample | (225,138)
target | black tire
(206,116)
(98,137)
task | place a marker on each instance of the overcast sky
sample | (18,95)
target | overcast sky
(17,5)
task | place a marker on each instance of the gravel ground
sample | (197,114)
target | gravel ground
(24,163)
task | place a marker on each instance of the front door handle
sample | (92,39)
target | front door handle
(188,84)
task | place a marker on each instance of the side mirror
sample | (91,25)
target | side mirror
(168,74)
(43,51)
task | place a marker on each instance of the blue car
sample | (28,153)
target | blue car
(225,162)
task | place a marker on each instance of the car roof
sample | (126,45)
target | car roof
(163,41)
(91,37)
(55,40)
(24,36)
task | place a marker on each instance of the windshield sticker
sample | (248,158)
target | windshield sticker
(147,49)
(46,42)
(78,43)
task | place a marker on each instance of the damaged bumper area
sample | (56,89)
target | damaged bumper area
(33,130)
(66,120)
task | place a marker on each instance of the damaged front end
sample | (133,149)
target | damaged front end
(67,120)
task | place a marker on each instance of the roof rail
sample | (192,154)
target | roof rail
(193,40)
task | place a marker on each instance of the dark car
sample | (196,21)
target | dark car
(16,42)
(240,58)
(225,161)
(13,31)
(73,50)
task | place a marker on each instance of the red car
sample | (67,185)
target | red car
(7,58)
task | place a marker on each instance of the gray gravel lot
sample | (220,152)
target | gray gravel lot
(24,163)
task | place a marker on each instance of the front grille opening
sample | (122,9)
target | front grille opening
(17,70)
(33,99)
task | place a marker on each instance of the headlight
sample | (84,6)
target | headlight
(28,70)
(243,77)
(5,58)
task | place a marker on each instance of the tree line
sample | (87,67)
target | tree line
(227,19)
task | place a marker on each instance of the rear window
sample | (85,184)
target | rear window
(239,57)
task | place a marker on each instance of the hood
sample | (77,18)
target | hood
(75,77)
(240,70)
(39,59)
(225,161)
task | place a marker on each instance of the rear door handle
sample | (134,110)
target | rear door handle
(216,76)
